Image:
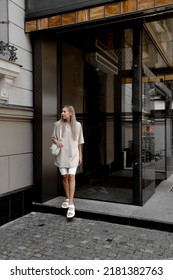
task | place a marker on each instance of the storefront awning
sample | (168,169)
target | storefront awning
(41,8)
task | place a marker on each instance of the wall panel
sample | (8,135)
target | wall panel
(112,9)
(145,4)
(24,58)
(129,6)
(4,16)
(22,97)
(163,2)
(16,137)
(24,80)
(42,23)
(97,13)
(20,3)
(17,37)
(69,18)
(4,178)
(16,149)
(55,21)
(82,16)
(16,14)
(31,26)
(20,164)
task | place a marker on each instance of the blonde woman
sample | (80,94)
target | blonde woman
(68,135)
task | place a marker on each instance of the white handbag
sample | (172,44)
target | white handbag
(55,150)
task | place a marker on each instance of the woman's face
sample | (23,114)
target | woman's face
(66,115)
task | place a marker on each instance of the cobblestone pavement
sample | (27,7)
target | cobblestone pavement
(52,237)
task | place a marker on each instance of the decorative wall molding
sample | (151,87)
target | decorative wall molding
(16,114)
(8,71)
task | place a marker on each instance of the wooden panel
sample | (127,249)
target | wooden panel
(83,16)
(169,77)
(31,26)
(55,21)
(113,9)
(163,2)
(160,77)
(42,23)
(129,6)
(96,13)
(145,4)
(69,18)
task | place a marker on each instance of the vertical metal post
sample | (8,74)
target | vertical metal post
(137,112)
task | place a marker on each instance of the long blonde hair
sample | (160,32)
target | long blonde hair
(73,121)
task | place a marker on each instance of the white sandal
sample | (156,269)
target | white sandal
(71,211)
(65,204)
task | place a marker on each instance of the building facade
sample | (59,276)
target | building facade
(16,112)
(112,60)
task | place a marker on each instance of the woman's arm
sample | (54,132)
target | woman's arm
(80,153)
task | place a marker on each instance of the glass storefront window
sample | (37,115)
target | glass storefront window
(126,49)
(157,95)
(162,31)
(72,77)
(127,124)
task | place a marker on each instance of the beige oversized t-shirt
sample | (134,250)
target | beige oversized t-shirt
(69,154)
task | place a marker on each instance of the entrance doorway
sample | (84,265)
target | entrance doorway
(107,75)
(102,98)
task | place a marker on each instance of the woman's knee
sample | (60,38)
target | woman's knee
(71,177)
(64,178)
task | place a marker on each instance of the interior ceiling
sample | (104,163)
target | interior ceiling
(160,47)
(161,34)
(164,27)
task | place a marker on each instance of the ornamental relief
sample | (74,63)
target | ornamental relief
(8,71)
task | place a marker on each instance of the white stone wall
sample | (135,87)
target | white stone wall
(21,93)
(16,112)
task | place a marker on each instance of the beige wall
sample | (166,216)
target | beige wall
(16,108)
(16,149)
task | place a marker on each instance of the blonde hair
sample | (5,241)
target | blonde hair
(73,121)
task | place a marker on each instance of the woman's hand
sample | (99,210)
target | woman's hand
(59,144)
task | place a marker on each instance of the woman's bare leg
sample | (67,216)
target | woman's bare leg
(72,182)
(65,181)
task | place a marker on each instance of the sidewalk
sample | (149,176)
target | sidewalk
(157,212)
(100,231)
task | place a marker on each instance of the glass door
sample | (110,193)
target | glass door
(157,92)
(97,66)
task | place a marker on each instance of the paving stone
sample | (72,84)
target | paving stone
(47,236)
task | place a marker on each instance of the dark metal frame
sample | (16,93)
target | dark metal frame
(137,112)
(37,68)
